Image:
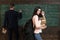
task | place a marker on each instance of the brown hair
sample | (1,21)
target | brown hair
(12,5)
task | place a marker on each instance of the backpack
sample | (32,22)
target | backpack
(29,31)
(28,26)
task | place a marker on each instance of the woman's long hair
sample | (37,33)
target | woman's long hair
(35,12)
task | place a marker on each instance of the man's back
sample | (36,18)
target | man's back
(12,18)
(11,22)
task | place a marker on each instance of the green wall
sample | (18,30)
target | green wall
(51,10)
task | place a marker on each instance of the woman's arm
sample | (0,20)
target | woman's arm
(36,22)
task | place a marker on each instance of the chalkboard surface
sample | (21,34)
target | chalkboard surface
(51,12)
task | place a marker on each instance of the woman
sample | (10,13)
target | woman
(39,22)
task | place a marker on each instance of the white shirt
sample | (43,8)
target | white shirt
(37,24)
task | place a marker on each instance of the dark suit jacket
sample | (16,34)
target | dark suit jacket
(11,19)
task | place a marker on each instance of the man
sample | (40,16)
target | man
(11,22)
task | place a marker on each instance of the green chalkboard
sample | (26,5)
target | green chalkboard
(51,12)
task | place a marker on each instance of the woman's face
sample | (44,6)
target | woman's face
(38,11)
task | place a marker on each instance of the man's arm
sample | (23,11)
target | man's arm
(4,30)
(20,14)
(5,20)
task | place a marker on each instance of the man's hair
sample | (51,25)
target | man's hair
(12,5)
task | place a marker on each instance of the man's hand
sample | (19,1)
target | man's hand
(4,31)
(20,11)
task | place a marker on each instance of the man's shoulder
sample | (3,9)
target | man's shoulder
(11,10)
(6,12)
(15,11)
